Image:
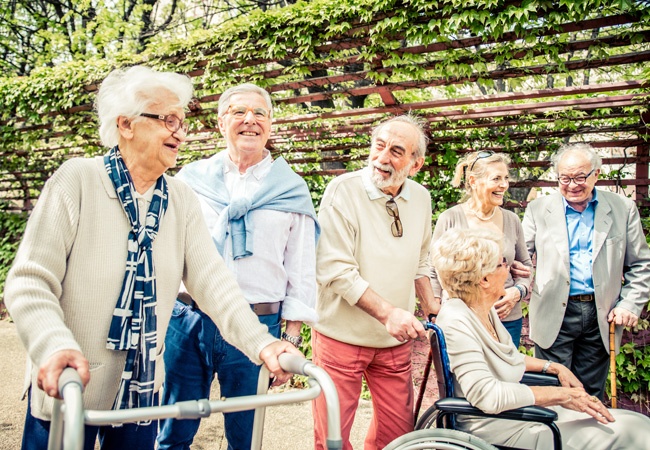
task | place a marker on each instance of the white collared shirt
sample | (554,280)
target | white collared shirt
(283,265)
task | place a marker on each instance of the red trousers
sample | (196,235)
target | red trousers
(388,374)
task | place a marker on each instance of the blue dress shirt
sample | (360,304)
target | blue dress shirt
(580,228)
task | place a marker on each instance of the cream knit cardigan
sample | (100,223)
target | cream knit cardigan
(68,272)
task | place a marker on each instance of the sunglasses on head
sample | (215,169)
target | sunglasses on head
(481,155)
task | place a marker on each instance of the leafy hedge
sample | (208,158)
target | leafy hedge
(51,108)
(12,226)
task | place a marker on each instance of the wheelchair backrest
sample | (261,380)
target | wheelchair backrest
(441,363)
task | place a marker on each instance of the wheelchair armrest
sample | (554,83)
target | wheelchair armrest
(458,405)
(539,379)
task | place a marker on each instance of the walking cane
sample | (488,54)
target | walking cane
(423,386)
(612,361)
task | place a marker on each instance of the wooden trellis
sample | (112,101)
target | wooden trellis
(359,91)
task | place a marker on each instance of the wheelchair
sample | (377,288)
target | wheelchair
(439,439)
(435,429)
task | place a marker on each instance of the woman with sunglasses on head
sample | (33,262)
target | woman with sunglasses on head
(105,249)
(484,175)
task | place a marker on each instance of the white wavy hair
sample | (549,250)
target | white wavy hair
(129,92)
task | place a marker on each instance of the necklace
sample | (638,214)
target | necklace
(485,219)
(490,328)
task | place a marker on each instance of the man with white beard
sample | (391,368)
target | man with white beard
(372,260)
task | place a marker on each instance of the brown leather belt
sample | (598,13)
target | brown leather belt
(261,309)
(187,299)
(582,298)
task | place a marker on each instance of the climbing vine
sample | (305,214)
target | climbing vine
(422,50)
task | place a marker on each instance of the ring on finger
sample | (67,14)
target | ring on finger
(594,399)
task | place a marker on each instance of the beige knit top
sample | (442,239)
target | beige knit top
(68,272)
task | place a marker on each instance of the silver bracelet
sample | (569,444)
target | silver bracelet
(546,366)
(521,292)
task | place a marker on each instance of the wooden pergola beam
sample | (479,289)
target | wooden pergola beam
(470,100)
(347,41)
(512,72)
(567,47)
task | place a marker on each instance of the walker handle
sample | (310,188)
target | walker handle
(71,389)
(293,363)
(69,375)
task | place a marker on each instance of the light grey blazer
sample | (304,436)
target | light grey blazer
(620,267)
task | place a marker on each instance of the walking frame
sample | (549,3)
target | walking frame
(69,417)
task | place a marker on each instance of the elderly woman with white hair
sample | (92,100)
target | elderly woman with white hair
(487,368)
(105,249)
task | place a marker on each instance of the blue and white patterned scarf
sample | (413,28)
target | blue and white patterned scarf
(133,327)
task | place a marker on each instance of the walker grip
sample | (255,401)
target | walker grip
(293,363)
(69,375)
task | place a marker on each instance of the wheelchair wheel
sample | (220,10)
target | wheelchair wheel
(439,439)
(427,419)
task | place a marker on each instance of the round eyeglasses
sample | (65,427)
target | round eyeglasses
(172,121)
(240,111)
(580,179)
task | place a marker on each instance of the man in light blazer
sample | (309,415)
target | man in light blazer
(593,267)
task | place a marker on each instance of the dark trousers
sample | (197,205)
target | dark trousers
(128,436)
(580,348)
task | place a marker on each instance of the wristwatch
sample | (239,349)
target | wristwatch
(295,340)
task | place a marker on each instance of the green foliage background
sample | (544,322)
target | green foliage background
(51,106)
(12,226)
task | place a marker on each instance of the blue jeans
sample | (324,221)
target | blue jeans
(130,435)
(514,328)
(194,351)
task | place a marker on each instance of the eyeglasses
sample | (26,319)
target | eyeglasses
(172,122)
(396,226)
(580,179)
(481,155)
(503,263)
(240,111)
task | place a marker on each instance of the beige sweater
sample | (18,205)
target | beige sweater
(487,373)
(357,250)
(68,272)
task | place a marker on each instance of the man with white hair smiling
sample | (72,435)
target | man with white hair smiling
(372,259)
(587,241)
(262,221)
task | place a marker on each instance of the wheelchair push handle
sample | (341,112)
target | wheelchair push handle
(428,324)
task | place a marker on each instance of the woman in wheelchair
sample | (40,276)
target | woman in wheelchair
(487,367)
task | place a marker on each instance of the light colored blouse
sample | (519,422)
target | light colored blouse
(487,373)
